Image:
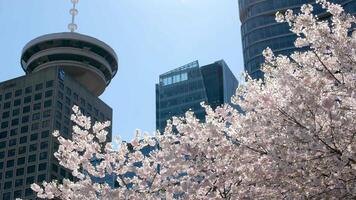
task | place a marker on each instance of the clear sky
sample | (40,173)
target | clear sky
(150,37)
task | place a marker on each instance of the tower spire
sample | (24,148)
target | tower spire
(73,11)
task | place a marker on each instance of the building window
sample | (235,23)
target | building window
(24,129)
(54,168)
(12,142)
(13,132)
(7,195)
(66,110)
(35,126)
(17,102)
(44,145)
(36,116)
(15,122)
(11,152)
(32,158)
(61,85)
(7,105)
(68,101)
(34,137)
(18,92)
(9,174)
(43,155)
(20,171)
(68,91)
(58,115)
(30,179)
(57,126)
(32,148)
(45,124)
(3,134)
(75,96)
(49,93)
(62,172)
(41,178)
(6,114)
(8,95)
(38,96)
(44,134)
(49,84)
(66,131)
(48,103)
(23,139)
(46,113)
(17,193)
(39,87)
(25,119)
(27,99)
(22,150)
(21,161)
(26,109)
(8,185)
(18,182)
(59,105)
(4,125)
(10,163)
(31,169)
(28,192)
(3,144)
(15,112)
(37,106)
(42,166)
(28,90)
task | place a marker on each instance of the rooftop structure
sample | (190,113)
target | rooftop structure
(88,60)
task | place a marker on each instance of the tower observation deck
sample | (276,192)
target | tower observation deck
(88,60)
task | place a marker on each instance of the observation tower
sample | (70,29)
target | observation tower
(88,60)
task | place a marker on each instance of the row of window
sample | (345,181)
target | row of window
(22,150)
(27,90)
(21,171)
(27,109)
(18,193)
(22,140)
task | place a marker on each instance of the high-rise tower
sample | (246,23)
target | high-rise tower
(184,88)
(62,70)
(259,29)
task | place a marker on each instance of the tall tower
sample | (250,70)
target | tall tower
(62,70)
(259,29)
(184,88)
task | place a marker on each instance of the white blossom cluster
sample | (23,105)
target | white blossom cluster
(296,138)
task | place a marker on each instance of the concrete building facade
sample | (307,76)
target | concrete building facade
(62,70)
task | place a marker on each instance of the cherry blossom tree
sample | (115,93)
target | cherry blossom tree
(295,138)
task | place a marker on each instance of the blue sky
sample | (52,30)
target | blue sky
(150,37)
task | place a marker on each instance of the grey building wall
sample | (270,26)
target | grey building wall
(184,88)
(31,108)
(259,29)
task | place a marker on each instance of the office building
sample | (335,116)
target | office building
(62,70)
(184,88)
(259,29)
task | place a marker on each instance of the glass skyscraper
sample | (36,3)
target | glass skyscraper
(184,88)
(260,30)
(62,70)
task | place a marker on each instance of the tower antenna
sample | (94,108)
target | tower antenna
(73,11)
